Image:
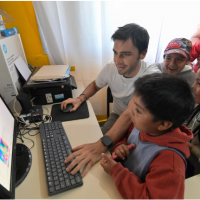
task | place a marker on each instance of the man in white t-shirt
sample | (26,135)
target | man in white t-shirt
(130,47)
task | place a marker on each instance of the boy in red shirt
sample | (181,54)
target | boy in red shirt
(155,167)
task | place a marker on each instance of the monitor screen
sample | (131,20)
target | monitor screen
(7,130)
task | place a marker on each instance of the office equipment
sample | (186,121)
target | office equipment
(9,160)
(56,148)
(47,93)
(23,163)
(25,103)
(8,32)
(8,136)
(50,72)
(68,107)
(31,113)
(10,84)
(23,68)
(58,115)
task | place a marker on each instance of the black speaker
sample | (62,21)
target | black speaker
(25,103)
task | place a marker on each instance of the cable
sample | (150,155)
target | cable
(46,109)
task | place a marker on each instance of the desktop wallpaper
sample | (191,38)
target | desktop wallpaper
(4,152)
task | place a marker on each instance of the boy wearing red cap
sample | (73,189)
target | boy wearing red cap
(176,60)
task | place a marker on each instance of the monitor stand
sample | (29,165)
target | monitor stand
(23,162)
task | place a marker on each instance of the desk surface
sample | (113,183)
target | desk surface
(96,184)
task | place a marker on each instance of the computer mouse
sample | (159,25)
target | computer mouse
(68,107)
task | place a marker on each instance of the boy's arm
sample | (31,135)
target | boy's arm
(195,51)
(196,36)
(162,180)
(124,139)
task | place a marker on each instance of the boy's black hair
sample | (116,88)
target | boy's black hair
(138,35)
(166,97)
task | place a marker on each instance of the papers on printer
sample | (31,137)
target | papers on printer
(50,73)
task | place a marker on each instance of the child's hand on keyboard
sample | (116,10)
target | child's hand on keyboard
(107,163)
(122,151)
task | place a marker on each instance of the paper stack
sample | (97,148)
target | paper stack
(51,73)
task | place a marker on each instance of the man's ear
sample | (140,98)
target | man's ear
(143,54)
(165,125)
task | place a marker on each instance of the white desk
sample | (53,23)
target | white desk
(96,184)
(192,186)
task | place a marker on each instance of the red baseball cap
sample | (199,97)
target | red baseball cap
(179,45)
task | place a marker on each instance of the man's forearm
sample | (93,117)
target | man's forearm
(120,127)
(89,91)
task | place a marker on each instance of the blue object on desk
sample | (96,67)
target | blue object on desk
(9,32)
(68,71)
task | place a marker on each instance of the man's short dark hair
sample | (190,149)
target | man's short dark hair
(138,35)
(166,97)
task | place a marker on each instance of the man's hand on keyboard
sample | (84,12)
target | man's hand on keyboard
(75,101)
(85,155)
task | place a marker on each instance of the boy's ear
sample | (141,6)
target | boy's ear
(143,54)
(165,125)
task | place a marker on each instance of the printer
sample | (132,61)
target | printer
(48,93)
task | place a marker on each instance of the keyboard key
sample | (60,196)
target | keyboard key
(62,164)
(66,176)
(55,174)
(61,179)
(57,187)
(62,184)
(50,183)
(71,176)
(51,189)
(56,182)
(69,152)
(54,170)
(48,169)
(73,181)
(67,182)
(53,166)
(48,173)
(78,179)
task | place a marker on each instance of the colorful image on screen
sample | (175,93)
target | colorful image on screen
(4,152)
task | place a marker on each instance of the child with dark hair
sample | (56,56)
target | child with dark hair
(155,167)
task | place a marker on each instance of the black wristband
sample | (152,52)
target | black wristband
(85,96)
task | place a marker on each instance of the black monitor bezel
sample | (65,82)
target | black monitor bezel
(4,193)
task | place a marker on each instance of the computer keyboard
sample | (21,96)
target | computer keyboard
(56,148)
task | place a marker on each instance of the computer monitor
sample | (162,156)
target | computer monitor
(8,135)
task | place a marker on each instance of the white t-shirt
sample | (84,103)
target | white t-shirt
(122,88)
